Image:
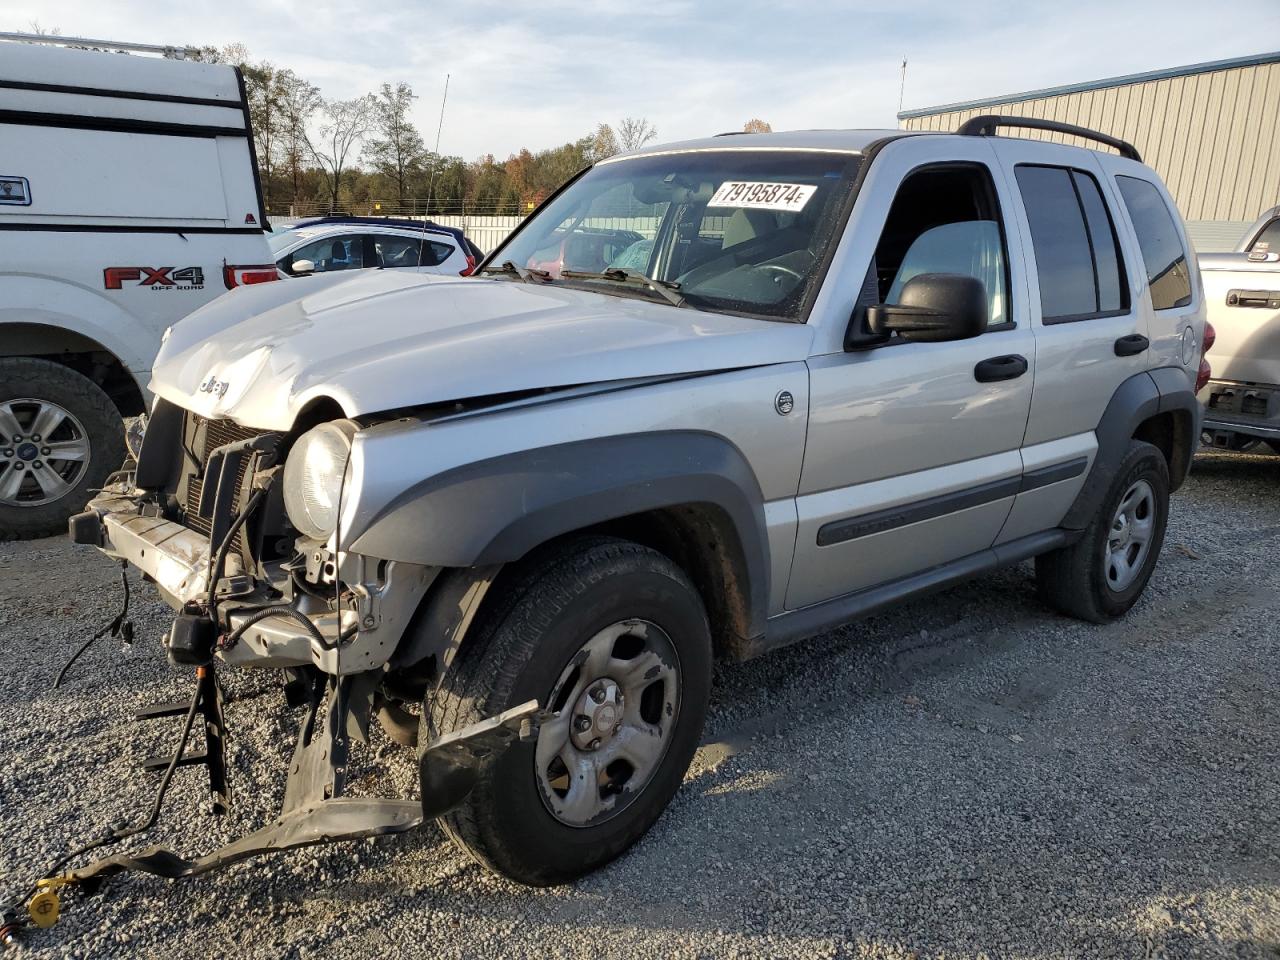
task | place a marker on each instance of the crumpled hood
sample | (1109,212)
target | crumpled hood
(380,340)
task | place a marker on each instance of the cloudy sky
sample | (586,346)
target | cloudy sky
(537,74)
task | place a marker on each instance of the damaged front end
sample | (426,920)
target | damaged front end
(204,517)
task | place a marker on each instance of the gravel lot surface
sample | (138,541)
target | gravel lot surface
(969,776)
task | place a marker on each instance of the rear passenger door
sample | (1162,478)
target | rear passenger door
(1091,335)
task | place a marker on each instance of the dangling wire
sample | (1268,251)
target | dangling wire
(117,627)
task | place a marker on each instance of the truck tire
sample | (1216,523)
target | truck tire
(613,638)
(60,438)
(1100,576)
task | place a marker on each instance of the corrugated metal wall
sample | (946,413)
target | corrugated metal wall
(1214,137)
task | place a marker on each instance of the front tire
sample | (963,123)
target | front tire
(1100,576)
(613,638)
(60,438)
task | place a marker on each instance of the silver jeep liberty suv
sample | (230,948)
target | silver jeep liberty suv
(710,399)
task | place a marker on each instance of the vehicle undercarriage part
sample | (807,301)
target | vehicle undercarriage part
(314,811)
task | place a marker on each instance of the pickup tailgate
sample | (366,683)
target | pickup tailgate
(1243,302)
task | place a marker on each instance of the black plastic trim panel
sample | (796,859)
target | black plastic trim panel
(1054,473)
(120,228)
(34,118)
(890,518)
(116,94)
(809,621)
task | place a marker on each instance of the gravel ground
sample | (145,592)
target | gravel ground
(969,776)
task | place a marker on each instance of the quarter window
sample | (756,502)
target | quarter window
(1078,258)
(1162,250)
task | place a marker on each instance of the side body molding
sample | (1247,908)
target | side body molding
(495,511)
(1142,396)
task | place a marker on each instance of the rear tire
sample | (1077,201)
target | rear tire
(531,817)
(62,438)
(1100,576)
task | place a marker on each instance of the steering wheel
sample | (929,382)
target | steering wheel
(781,269)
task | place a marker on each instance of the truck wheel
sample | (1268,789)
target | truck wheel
(60,437)
(1101,576)
(613,639)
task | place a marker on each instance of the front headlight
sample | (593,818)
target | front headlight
(313,476)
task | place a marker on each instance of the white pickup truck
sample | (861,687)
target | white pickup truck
(128,198)
(1242,293)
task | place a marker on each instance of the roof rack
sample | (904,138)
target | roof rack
(986,125)
(169,51)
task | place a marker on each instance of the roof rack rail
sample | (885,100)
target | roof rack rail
(986,125)
(169,51)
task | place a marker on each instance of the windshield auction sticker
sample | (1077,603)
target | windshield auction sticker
(789,197)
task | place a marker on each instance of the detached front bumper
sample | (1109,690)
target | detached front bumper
(176,559)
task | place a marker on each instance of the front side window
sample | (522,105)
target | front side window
(334,253)
(1077,254)
(944,219)
(732,230)
(1162,251)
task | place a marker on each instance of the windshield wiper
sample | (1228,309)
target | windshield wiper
(668,289)
(527,274)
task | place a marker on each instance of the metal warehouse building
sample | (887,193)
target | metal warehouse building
(1211,130)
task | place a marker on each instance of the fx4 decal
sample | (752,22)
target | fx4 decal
(157,278)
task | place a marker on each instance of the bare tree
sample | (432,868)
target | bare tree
(299,100)
(345,122)
(398,151)
(755,125)
(635,133)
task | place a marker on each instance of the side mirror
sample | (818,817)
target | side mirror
(301,267)
(933,307)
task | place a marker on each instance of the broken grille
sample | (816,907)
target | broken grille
(216,433)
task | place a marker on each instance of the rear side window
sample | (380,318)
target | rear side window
(1162,250)
(410,251)
(1077,254)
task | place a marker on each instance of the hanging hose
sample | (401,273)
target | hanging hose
(219,559)
(11,909)
(117,627)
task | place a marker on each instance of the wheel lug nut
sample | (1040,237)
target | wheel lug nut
(45,451)
(598,694)
(595,744)
(19,465)
(6,452)
(35,437)
(37,465)
(583,723)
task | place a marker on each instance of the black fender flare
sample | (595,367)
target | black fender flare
(1141,397)
(496,510)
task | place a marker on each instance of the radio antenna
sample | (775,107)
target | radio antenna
(435,160)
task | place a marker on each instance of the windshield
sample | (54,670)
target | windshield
(282,238)
(738,231)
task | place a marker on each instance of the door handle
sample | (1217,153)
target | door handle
(1008,367)
(1132,345)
